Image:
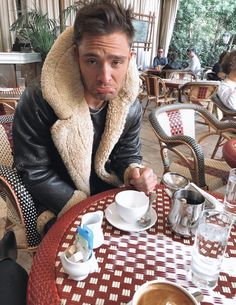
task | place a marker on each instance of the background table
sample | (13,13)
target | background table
(126,260)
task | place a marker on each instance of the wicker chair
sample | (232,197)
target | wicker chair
(175,128)
(223,114)
(221,111)
(186,75)
(5,108)
(199,93)
(21,211)
(156,91)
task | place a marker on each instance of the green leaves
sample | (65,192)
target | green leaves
(201,23)
(36,29)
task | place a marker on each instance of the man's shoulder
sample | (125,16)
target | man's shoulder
(227,83)
(32,99)
(135,108)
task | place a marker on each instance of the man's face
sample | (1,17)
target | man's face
(190,54)
(160,53)
(103,62)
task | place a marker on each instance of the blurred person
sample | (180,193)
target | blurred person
(13,277)
(77,132)
(227,88)
(194,64)
(160,60)
(173,62)
(217,69)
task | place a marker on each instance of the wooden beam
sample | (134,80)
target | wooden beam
(61,15)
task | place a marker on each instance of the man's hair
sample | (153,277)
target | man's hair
(191,50)
(222,55)
(229,62)
(101,17)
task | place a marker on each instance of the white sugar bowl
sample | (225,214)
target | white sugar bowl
(79,270)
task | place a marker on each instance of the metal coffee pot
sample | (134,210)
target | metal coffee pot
(185,210)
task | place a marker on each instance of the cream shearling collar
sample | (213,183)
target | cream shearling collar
(73,131)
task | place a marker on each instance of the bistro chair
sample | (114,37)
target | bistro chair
(182,151)
(10,97)
(5,108)
(142,95)
(21,211)
(199,93)
(156,91)
(221,111)
(185,75)
(223,114)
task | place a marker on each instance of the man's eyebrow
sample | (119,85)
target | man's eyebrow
(91,54)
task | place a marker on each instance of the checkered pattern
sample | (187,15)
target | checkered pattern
(175,121)
(6,122)
(202,92)
(25,203)
(126,260)
(10,178)
(15,93)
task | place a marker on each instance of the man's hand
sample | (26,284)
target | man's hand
(143,179)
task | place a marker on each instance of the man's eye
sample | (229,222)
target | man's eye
(91,61)
(116,63)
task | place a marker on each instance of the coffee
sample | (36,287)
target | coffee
(163,294)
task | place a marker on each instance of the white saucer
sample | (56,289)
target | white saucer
(114,219)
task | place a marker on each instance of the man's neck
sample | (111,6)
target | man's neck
(96,105)
(232,76)
(92,102)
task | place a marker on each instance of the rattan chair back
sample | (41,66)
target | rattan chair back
(21,211)
(185,75)
(156,91)
(5,140)
(199,92)
(181,151)
(227,114)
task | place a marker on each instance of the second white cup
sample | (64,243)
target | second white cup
(162,292)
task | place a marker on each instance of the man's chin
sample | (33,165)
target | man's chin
(107,96)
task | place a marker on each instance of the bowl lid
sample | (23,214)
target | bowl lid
(174,180)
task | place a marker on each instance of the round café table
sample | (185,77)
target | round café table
(126,260)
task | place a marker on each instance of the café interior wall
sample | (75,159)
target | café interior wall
(8,15)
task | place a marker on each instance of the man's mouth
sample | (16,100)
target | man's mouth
(105,90)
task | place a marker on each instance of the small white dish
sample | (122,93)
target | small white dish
(80,270)
(114,219)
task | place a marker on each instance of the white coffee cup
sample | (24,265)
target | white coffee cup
(131,205)
(162,292)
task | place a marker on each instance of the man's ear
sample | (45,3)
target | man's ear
(132,53)
(76,52)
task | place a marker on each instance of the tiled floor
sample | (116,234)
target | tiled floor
(151,158)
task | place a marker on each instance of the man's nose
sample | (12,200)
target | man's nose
(105,73)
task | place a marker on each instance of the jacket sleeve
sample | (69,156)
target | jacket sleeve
(34,151)
(227,94)
(127,150)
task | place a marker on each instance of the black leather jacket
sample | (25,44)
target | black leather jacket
(40,165)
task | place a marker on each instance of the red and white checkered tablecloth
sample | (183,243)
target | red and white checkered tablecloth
(127,260)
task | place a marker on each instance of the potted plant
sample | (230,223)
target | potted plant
(36,29)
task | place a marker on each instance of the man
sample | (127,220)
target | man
(160,60)
(78,134)
(173,62)
(194,62)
